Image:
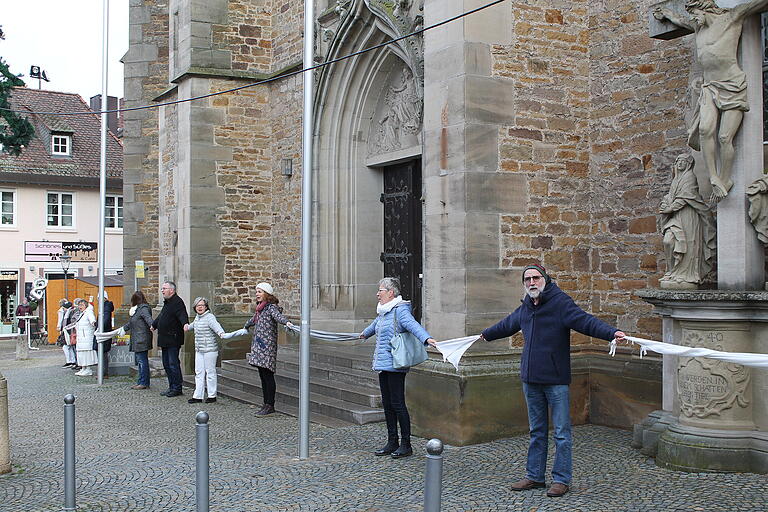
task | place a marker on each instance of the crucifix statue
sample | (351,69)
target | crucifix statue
(723,96)
(727,125)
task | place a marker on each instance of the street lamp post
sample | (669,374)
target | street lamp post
(65,259)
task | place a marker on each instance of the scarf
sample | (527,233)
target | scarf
(132,310)
(259,308)
(383,309)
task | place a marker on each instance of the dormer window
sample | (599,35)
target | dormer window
(61,145)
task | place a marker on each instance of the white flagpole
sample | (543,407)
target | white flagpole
(306,231)
(103,180)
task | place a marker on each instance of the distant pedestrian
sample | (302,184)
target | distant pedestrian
(23,309)
(85,328)
(70,354)
(106,326)
(169,325)
(206,329)
(546,317)
(263,354)
(392,310)
(139,325)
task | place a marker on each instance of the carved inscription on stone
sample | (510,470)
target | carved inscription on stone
(707,387)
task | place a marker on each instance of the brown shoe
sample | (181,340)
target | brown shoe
(525,485)
(266,410)
(557,490)
(137,386)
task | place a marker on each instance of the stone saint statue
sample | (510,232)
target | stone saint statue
(688,229)
(757,193)
(723,96)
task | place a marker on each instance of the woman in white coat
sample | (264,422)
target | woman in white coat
(86,326)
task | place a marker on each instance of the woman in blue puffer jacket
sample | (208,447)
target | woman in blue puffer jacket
(393,309)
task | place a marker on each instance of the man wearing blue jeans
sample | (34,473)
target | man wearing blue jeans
(546,317)
(169,325)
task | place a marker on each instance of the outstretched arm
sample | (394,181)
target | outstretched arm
(750,8)
(662,14)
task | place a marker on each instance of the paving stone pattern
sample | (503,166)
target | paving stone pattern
(135,452)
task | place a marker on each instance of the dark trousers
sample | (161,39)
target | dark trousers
(172,367)
(268,386)
(392,386)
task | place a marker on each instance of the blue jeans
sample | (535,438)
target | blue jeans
(142,361)
(540,399)
(172,367)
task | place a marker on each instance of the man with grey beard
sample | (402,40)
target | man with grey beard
(546,317)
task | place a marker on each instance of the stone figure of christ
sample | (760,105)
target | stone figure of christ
(723,95)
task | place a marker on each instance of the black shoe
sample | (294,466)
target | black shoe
(266,410)
(172,394)
(194,401)
(404,451)
(387,449)
(66,365)
(165,393)
(76,368)
(210,400)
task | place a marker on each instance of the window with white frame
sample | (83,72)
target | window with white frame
(61,144)
(60,209)
(7,208)
(113,212)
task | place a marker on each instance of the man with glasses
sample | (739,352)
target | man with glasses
(546,317)
(169,325)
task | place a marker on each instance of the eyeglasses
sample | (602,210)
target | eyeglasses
(383,290)
(532,278)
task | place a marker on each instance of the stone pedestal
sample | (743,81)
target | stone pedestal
(484,400)
(22,348)
(715,414)
(5,438)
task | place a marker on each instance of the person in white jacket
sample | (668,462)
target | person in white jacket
(86,326)
(206,329)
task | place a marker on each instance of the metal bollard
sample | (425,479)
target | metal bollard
(433,480)
(5,438)
(69,452)
(202,462)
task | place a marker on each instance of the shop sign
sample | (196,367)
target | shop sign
(84,252)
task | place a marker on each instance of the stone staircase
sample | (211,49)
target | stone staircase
(343,388)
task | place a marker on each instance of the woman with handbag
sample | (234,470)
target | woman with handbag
(263,354)
(394,319)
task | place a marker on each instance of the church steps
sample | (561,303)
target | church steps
(362,395)
(288,393)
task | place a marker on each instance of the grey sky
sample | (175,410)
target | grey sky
(63,37)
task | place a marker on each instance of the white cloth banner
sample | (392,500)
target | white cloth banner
(745,358)
(453,349)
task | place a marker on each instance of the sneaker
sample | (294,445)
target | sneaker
(266,410)
(526,485)
(85,372)
(66,365)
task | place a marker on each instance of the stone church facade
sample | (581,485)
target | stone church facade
(531,131)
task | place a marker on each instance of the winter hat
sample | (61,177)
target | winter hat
(266,287)
(541,270)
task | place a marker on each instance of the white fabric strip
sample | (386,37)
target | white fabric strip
(453,349)
(745,358)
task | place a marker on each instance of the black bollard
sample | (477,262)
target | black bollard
(69,452)
(433,480)
(202,462)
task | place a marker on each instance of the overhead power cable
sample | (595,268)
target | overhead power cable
(278,77)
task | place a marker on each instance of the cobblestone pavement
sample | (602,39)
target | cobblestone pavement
(135,452)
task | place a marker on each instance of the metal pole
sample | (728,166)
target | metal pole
(103,178)
(69,453)
(202,465)
(306,230)
(66,291)
(433,479)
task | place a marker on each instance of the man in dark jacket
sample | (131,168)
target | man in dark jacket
(169,325)
(546,317)
(23,309)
